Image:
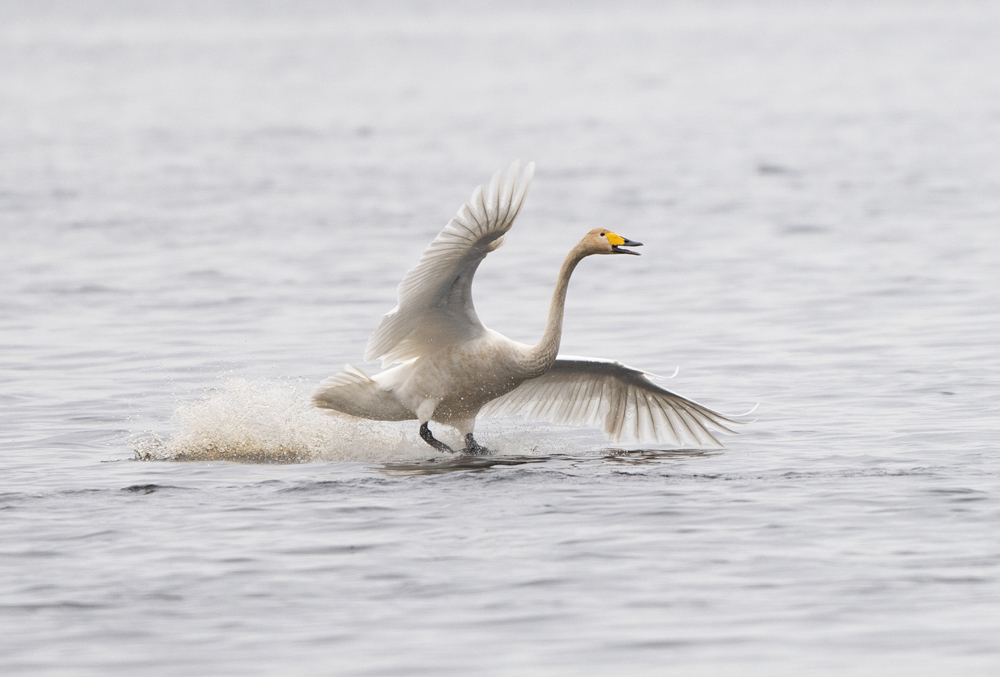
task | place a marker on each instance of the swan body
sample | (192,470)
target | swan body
(452,369)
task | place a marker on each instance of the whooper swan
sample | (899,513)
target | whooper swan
(453,368)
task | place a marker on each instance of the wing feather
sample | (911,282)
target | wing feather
(589,391)
(435,298)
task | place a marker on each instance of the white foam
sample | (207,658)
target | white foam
(272,422)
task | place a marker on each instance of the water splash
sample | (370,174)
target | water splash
(271,422)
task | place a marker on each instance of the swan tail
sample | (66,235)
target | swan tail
(355,393)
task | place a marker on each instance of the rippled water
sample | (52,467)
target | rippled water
(204,212)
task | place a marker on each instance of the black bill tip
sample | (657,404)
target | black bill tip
(626,243)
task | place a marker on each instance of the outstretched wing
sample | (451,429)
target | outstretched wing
(435,298)
(608,394)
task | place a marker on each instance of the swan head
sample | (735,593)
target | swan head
(603,241)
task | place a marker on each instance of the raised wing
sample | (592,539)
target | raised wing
(608,394)
(435,298)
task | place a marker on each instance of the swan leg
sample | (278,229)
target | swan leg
(428,437)
(473,448)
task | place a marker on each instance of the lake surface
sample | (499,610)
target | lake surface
(205,211)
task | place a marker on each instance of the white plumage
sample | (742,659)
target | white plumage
(453,368)
(435,298)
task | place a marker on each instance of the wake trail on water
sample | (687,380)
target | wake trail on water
(251,421)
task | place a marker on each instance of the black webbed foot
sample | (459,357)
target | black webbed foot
(426,436)
(473,448)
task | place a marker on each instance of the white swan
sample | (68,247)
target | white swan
(453,368)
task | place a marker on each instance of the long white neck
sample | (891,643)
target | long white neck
(539,359)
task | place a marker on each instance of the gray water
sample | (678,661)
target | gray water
(205,211)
